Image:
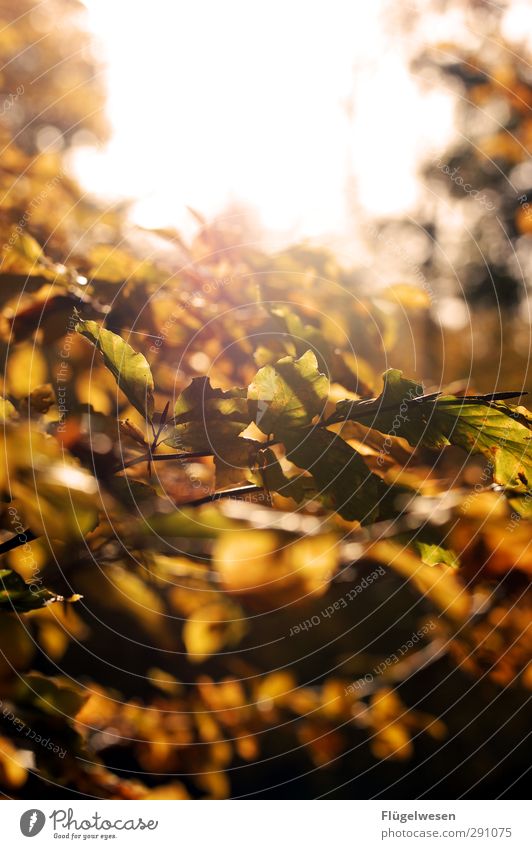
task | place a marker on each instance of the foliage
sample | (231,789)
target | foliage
(233,561)
(479,184)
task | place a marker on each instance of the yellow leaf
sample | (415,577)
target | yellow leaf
(26,369)
(267,567)
(13,773)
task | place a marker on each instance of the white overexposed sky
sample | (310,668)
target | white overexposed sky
(301,110)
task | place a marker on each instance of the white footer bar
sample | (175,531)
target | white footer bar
(267,824)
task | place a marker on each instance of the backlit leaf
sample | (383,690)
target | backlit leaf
(288,394)
(343,481)
(211,628)
(205,418)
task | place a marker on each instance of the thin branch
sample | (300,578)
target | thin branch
(162,422)
(405,669)
(366,408)
(192,455)
(152,458)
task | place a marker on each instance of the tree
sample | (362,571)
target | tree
(235,560)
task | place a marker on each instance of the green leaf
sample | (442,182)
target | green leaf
(212,627)
(130,368)
(202,436)
(272,477)
(28,248)
(130,493)
(521,503)
(432,554)
(52,493)
(205,419)
(233,462)
(344,482)
(398,388)
(16,594)
(288,394)
(488,429)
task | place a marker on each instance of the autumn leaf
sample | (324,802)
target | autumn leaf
(7,410)
(493,430)
(288,394)
(205,418)
(343,481)
(439,583)
(268,568)
(477,424)
(273,478)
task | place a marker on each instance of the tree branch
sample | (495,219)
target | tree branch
(192,455)
(363,409)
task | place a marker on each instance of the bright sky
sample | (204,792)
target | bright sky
(301,110)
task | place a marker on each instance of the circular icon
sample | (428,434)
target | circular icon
(32,822)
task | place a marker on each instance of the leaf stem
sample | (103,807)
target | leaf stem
(369,407)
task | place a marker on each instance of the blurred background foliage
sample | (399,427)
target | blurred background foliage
(469,241)
(176,674)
